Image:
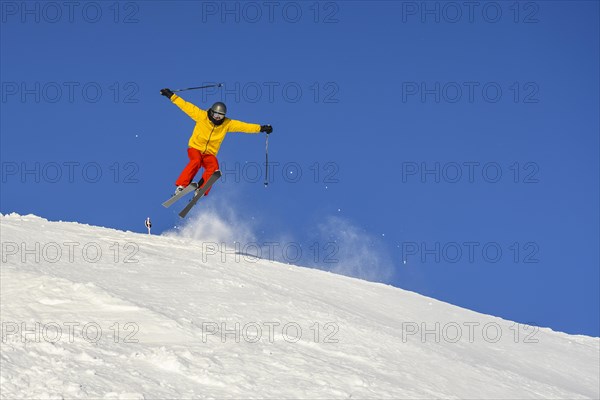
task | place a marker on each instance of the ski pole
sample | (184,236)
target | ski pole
(198,87)
(267,161)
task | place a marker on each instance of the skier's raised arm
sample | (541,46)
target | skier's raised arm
(216,114)
(194,112)
(239,126)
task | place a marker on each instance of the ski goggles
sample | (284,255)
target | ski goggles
(218,116)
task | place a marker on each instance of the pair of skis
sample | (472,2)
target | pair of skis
(199,192)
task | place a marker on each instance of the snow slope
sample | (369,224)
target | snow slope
(90,312)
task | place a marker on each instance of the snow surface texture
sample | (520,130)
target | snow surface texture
(90,312)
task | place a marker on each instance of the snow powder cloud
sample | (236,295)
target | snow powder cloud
(354,252)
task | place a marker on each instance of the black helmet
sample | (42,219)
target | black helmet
(219,109)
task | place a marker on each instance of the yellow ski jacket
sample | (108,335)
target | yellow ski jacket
(207,137)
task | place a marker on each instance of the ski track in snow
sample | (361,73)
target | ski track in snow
(168,304)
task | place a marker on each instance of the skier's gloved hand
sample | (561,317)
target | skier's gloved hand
(166,92)
(266,128)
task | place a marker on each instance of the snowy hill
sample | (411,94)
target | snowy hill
(90,312)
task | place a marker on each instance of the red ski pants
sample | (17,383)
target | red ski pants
(197,161)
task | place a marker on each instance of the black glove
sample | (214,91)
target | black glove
(166,92)
(266,128)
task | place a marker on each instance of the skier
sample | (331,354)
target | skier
(209,132)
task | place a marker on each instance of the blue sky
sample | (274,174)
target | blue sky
(459,141)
